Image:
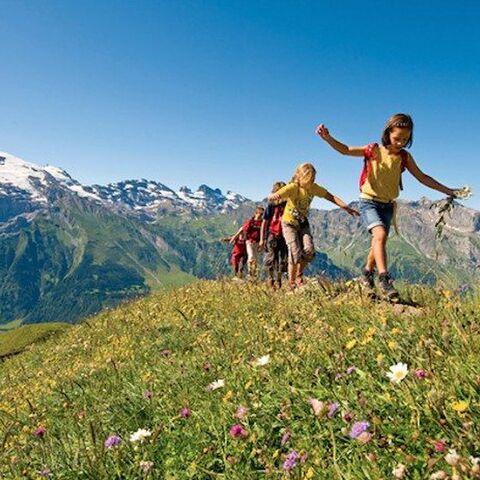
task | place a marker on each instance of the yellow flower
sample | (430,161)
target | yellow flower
(350,329)
(380,358)
(396,331)
(349,345)
(460,406)
(310,473)
(392,345)
(228,396)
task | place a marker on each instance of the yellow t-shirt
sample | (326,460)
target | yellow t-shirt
(298,201)
(383,181)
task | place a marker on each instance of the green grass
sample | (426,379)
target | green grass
(10,325)
(137,366)
(16,340)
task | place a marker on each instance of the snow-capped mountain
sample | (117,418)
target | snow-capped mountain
(27,187)
(148,196)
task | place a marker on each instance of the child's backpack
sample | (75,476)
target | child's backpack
(367,167)
(275,226)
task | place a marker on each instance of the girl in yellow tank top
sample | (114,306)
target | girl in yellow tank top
(380,186)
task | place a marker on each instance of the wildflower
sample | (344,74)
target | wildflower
(452,457)
(285,438)
(147,395)
(399,471)
(291,461)
(364,437)
(420,373)
(358,428)
(392,344)
(475,465)
(351,370)
(81,414)
(165,353)
(262,361)
(140,435)
(146,466)
(45,472)
(241,412)
(464,193)
(332,408)
(349,345)
(397,372)
(338,377)
(319,408)
(348,417)
(185,412)
(237,431)
(40,432)
(460,406)
(439,445)
(112,441)
(231,459)
(440,475)
(216,385)
(207,366)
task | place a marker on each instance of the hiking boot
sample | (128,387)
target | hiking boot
(386,286)
(367,281)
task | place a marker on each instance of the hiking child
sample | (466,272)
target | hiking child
(271,237)
(239,254)
(299,194)
(251,229)
(380,185)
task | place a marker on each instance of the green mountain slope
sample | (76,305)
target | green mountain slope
(231,381)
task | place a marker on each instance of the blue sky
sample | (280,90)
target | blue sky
(228,93)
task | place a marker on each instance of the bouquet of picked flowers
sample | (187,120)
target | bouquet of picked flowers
(445,208)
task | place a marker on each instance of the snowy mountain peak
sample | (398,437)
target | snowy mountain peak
(35,185)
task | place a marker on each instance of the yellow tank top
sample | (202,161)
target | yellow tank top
(383,180)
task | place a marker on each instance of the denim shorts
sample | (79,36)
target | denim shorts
(376,213)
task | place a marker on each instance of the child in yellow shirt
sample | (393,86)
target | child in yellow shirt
(380,185)
(299,194)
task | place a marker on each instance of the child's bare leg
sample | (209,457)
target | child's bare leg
(292,273)
(370,265)
(379,243)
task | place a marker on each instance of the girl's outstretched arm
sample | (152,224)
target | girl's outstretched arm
(340,203)
(428,181)
(323,132)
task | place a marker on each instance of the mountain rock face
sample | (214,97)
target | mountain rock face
(68,250)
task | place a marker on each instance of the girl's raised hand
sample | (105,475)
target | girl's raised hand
(323,132)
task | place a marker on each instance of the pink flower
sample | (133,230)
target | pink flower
(147,395)
(420,373)
(439,445)
(166,352)
(237,431)
(185,412)
(241,412)
(207,366)
(40,432)
(319,408)
(285,438)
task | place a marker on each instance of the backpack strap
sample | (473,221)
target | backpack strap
(367,168)
(403,165)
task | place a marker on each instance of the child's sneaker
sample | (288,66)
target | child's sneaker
(386,285)
(367,279)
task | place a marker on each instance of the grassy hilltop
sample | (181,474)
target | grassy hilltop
(231,381)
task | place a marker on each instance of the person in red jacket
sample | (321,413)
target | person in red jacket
(251,229)
(239,254)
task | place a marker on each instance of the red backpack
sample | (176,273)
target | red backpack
(367,168)
(275,226)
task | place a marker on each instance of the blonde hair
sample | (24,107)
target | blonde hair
(304,174)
